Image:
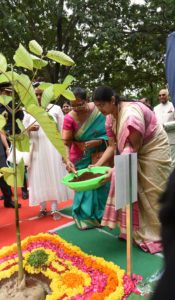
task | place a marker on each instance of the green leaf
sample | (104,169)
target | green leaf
(60,57)
(5,100)
(8,76)
(68,95)
(20,173)
(8,174)
(25,90)
(68,80)
(22,140)
(35,47)
(3,63)
(49,126)
(47,96)
(22,143)
(38,63)
(44,85)
(4,78)
(20,124)
(58,89)
(23,58)
(2,121)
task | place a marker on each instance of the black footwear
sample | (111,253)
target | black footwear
(11,204)
(25,195)
(42,213)
(2,197)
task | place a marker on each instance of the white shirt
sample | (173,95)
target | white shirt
(166,113)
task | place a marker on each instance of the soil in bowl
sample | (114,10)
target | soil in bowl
(85,176)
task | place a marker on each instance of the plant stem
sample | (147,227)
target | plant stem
(18,238)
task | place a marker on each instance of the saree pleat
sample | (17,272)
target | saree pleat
(88,206)
(153,170)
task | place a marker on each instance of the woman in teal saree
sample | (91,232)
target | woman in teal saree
(84,133)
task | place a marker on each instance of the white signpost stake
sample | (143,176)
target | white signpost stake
(126,194)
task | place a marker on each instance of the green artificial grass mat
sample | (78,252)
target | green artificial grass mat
(67,210)
(105,243)
(100,243)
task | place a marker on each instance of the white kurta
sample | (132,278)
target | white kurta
(46,168)
(165,113)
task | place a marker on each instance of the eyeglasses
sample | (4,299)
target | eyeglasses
(162,95)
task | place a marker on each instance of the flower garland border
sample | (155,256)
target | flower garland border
(116,285)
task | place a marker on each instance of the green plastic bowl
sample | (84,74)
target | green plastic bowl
(90,184)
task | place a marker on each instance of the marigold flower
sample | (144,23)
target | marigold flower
(71,271)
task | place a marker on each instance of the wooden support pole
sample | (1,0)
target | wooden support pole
(128,239)
(129,224)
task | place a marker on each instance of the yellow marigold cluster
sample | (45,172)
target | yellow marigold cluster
(66,278)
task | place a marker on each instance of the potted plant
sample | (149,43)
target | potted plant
(29,62)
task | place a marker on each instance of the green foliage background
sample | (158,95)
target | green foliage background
(112,42)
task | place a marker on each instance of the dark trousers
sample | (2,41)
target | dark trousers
(24,188)
(6,190)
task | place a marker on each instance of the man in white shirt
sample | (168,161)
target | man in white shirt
(165,110)
(165,114)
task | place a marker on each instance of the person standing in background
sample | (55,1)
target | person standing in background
(46,167)
(66,108)
(165,113)
(6,90)
(6,189)
(84,134)
(164,110)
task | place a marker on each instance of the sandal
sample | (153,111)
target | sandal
(56,215)
(42,213)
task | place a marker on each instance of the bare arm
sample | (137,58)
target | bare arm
(4,141)
(135,139)
(109,152)
(93,143)
(67,136)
